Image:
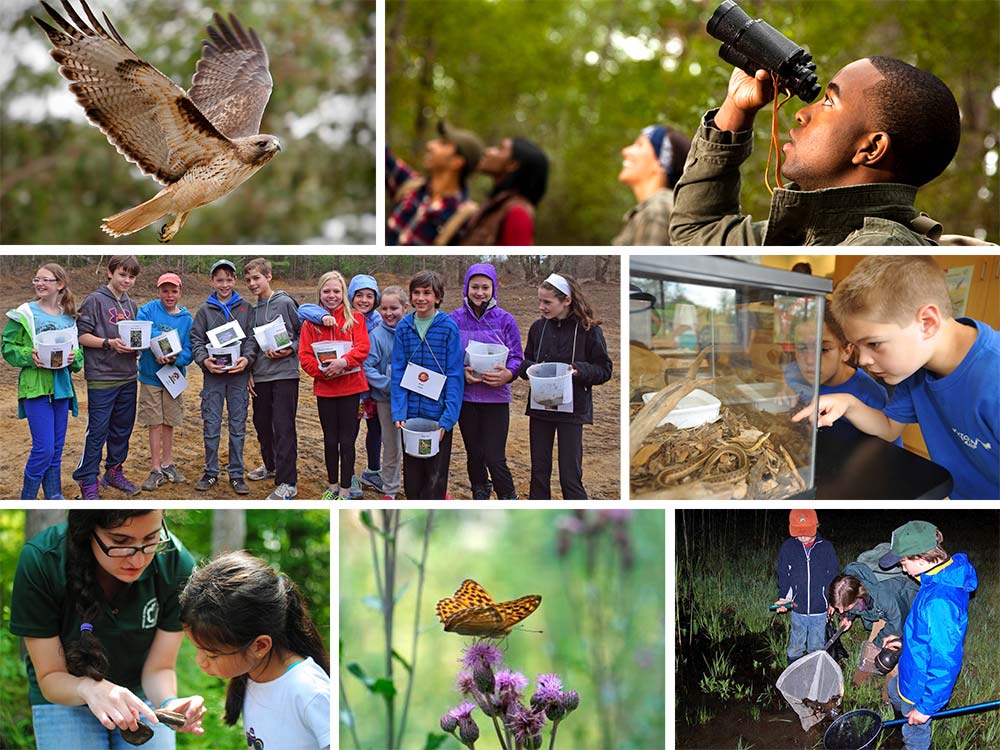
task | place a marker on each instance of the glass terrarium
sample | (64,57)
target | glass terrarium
(722,354)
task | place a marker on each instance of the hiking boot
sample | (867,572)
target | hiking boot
(239,486)
(172,474)
(260,473)
(154,480)
(284,492)
(355,492)
(372,478)
(90,491)
(207,482)
(115,477)
(482,491)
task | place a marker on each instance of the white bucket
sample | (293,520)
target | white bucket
(695,409)
(548,382)
(272,336)
(135,333)
(421,437)
(327,351)
(54,348)
(485,357)
(166,345)
(226,355)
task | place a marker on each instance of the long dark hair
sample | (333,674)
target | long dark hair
(579,307)
(85,657)
(532,174)
(237,597)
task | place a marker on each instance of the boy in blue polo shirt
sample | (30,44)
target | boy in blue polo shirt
(897,313)
(934,633)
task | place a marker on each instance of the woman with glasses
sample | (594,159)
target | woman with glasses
(96,600)
(45,393)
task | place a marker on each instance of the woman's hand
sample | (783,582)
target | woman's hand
(193,708)
(114,705)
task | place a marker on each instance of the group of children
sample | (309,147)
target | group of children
(367,357)
(926,625)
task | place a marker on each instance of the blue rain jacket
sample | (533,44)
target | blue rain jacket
(934,635)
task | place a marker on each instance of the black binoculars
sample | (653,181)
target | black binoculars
(752,44)
(887,659)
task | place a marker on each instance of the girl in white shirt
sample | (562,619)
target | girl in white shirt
(251,626)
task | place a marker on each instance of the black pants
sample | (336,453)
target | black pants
(484,431)
(373,441)
(541,435)
(274,410)
(427,478)
(338,415)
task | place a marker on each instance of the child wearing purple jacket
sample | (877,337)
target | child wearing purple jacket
(485,416)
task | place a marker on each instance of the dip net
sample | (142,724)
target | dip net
(813,687)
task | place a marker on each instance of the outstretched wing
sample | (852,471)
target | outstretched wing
(484,621)
(469,594)
(145,115)
(231,83)
(515,610)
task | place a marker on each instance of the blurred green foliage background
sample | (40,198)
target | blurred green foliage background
(295,542)
(582,77)
(59,176)
(600,575)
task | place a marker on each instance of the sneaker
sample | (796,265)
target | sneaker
(355,492)
(372,478)
(90,491)
(239,486)
(154,480)
(329,494)
(482,491)
(172,474)
(284,492)
(207,482)
(388,497)
(259,474)
(115,477)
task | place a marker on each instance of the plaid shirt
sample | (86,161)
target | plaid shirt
(418,217)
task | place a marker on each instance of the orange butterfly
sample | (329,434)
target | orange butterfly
(472,611)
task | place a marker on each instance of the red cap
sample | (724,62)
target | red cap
(168,278)
(802,522)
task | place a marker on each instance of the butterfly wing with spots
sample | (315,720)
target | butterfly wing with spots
(472,611)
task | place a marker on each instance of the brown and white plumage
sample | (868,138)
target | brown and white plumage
(201,144)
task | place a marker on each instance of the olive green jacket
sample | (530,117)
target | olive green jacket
(707,204)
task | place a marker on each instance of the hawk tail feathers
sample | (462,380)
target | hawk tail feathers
(138,217)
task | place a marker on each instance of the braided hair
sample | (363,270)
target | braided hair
(85,657)
(231,601)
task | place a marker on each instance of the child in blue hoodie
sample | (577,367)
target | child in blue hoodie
(485,417)
(378,372)
(934,632)
(427,343)
(158,410)
(363,296)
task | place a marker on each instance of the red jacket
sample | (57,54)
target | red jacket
(343,385)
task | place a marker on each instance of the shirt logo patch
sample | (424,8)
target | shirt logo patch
(972,442)
(253,741)
(150,614)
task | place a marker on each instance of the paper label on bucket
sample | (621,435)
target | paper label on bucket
(173,380)
(227,335)
(423,381)
(565,406)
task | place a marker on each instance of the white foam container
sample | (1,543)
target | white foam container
(769,397)
(485,357)
(548,382)
(135,333)
(272,336)
(232,353)
(695,409)
(421,437)
(54,348)
(166,344)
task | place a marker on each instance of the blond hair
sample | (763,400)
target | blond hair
(396,291)
(891,288)
(325,279)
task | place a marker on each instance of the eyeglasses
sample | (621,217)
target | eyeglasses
(39,280)
(164,543)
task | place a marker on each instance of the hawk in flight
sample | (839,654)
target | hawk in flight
(201,144)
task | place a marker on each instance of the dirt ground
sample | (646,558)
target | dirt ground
(601,440)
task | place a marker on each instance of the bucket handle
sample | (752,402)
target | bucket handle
(949,712)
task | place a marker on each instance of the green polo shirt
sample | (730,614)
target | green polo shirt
(126,626)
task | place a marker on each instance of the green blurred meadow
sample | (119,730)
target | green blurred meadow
(296,542)
(601,578)
(731,649)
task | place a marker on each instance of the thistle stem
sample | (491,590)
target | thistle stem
(552,739)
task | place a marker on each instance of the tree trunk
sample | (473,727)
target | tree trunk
(229,530)
(39,520)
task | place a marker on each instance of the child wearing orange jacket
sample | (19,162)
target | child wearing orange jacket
(337,381)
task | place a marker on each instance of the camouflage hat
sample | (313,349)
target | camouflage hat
(467,145)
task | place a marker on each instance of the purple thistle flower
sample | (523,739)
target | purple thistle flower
(468,731)
(525,723)
(615,515)
(449,723)
(486,654)
(570,700)
(462,711)
(549,690)
(509,686)
(464,682)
